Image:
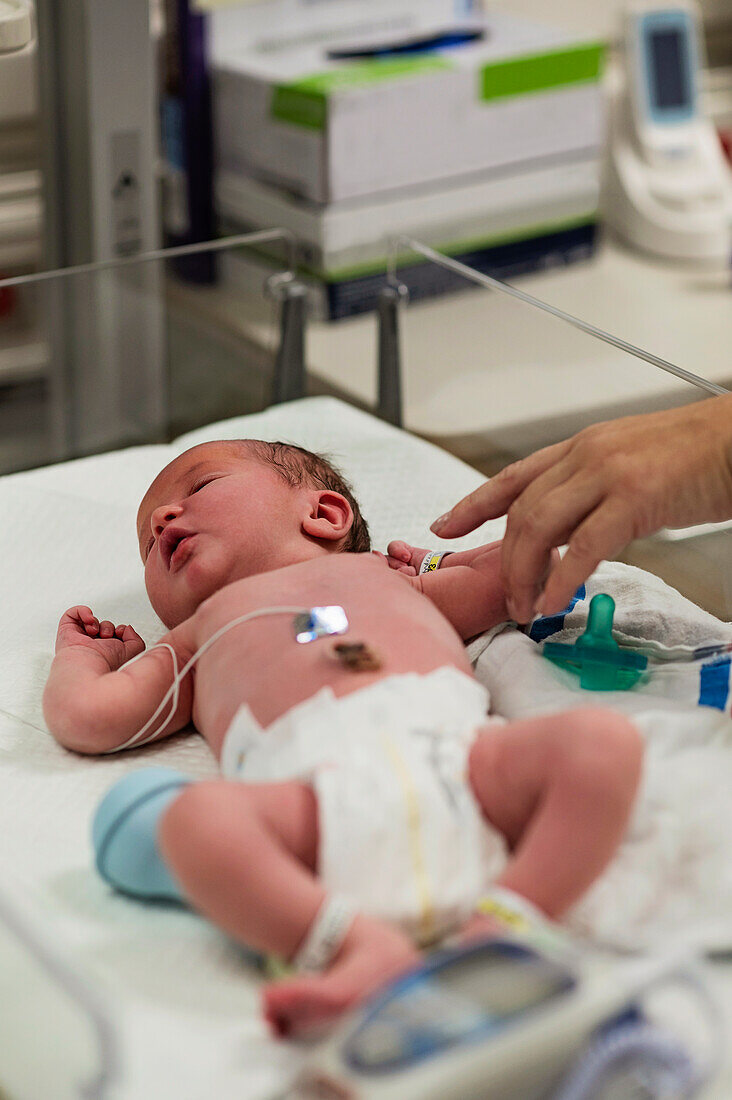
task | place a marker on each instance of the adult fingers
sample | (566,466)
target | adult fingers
(537,521)
(534,533)
(494,498)
(602,535)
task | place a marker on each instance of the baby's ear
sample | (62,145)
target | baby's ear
(329,516)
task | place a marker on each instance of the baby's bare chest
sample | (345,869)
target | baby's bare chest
(256,657)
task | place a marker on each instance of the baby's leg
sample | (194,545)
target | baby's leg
(245,856)
(560,789)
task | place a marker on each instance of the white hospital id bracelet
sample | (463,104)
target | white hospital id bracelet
(431,560)
(326,934)
(510,909)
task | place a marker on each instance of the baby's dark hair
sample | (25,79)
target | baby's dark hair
(300,467)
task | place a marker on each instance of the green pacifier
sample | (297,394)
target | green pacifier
(596,657)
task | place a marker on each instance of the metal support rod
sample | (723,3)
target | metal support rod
(389,406)
(219,245)
(584,326)
(289,371)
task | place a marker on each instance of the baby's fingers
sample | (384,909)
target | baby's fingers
(106,629)
(400,550)
(81,617)
(132,640)
(400,567)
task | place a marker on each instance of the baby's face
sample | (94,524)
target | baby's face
(214,515)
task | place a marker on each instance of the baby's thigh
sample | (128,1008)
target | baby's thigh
(287,812)
(512,765)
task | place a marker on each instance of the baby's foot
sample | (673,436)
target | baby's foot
(405,558)
(372,953)
(480,926)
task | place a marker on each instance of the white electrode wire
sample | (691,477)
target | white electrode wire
(712,1014)
(584,326)
(614,1049)
(138,738)
(63,970)
(25,721)
(174,688)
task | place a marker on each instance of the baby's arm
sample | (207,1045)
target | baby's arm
(407,558)
(470,595)
(560,789)
(93,702)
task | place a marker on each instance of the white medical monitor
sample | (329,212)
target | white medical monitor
(663,44)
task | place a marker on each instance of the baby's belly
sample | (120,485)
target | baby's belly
(260,663)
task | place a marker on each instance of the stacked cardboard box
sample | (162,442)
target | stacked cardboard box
(489,149)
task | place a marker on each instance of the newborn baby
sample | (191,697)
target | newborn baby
(368,802)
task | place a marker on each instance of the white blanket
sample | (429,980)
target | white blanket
(185,997)
(186,1001)
(672,877)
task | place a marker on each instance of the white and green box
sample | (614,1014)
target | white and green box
(342,240)
(329,130)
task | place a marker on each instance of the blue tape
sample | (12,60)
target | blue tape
(552,624)
(714,684)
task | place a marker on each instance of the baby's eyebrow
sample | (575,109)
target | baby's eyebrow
(191,471)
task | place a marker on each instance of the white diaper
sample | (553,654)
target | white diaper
(400,831)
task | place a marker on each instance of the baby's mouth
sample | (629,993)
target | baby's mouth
(174,546)
(181,553)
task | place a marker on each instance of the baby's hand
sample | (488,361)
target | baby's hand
(116,644)
(404,558)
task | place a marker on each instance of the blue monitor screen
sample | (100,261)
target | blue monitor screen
(670,87)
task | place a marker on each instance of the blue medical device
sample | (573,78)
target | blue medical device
(507,1019)
(124,833)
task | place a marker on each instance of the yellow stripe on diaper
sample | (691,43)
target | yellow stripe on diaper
(428,932)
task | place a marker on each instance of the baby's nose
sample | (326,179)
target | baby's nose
(164,515)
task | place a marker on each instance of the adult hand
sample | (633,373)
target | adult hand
(607,485)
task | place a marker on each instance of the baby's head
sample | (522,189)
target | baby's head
(227,510)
